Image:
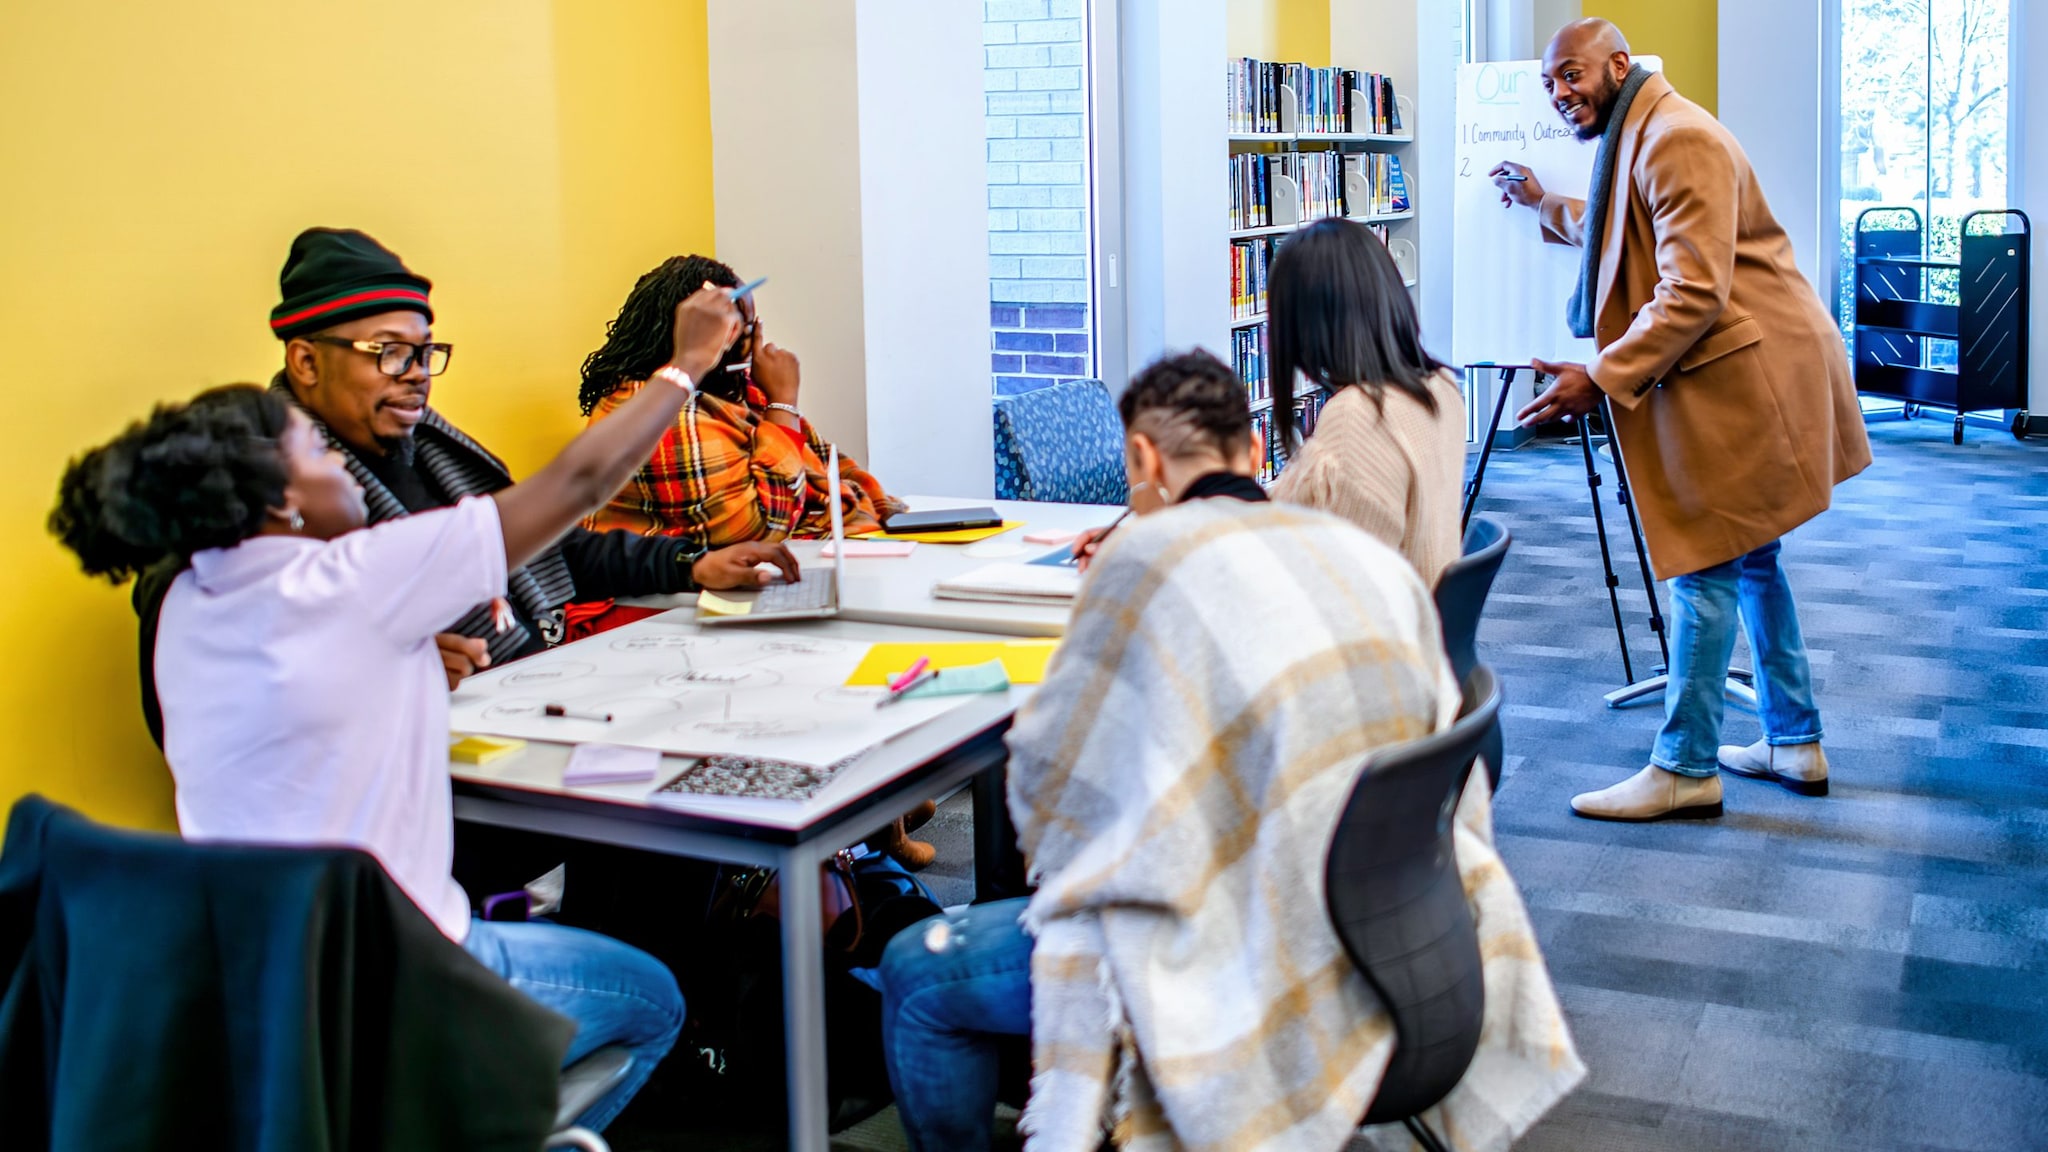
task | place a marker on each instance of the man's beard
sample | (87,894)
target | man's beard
(1602,104)
(398,449)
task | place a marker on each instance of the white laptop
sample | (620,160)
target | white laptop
(816,596)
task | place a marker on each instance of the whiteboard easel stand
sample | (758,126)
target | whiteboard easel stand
(1739,688)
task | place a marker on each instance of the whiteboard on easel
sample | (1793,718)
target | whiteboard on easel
(1509,288)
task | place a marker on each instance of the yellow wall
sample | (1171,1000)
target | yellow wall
(1686,33)
(531,158)
(1284,30)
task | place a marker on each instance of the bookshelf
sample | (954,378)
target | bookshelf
(1307,144)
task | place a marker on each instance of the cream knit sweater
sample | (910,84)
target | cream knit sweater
(1397,474)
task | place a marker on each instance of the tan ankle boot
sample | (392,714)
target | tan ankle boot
(1653,794)
(896,844)
(1801,768)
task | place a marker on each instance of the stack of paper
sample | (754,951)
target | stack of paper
(1011,582)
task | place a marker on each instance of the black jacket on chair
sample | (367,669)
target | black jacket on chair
(160,994)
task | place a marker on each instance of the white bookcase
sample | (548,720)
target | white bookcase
(1286,202)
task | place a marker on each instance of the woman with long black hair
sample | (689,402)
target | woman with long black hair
(1388,452)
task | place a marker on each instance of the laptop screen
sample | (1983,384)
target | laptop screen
(838,520)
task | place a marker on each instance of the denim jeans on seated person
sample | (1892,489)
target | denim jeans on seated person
(1705,606)
(948,997)
(615,993)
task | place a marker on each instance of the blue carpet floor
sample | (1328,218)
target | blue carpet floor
(1864,971)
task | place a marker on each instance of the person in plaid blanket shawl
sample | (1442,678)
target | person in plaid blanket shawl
(741,463)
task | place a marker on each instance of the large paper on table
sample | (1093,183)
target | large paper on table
(1024,660)
(668,686)
(954,536)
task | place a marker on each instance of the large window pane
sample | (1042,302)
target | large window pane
(1924,124)
(1040,252)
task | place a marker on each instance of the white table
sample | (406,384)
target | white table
(525,791)
(900,591)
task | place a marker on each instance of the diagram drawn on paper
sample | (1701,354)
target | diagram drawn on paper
(667,686)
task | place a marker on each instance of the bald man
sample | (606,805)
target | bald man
(1730,397)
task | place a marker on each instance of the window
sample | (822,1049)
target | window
(1924,125)
(1041,83)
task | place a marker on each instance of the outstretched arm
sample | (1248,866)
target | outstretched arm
(597,463)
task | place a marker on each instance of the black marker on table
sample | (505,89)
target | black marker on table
(566,713)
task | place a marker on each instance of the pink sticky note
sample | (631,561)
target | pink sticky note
(610,764)
(1050,536)
(872,549)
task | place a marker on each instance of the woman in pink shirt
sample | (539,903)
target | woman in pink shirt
(304,700)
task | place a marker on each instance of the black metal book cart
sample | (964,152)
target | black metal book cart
(1904,312)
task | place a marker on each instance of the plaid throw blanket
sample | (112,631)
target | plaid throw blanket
(1176,782)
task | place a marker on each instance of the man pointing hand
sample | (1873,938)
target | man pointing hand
(1731,403)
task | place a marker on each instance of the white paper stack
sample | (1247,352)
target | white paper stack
(1011,582)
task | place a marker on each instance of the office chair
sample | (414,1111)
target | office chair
(1399,907)
(1460,600)
(1063,443)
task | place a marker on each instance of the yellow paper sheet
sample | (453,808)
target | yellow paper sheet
(481,749)
(710,604)
(1024,660)
(961,536)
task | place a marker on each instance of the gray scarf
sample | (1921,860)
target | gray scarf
(1580,311)
(462,467)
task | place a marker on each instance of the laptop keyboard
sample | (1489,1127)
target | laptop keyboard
(811,593)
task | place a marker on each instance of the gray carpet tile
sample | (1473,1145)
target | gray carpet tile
(1868,970)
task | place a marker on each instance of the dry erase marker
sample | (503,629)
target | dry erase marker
(910,673)
(745,290)
(571,714)
(1510,176)
(906,687)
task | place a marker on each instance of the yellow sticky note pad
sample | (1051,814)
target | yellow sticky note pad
(481,749)
(961,536)
(712,604)
(1024,660)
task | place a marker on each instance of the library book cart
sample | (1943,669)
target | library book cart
(1947,334)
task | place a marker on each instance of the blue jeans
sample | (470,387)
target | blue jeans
(1705,606)
(943,1013)
(615,993)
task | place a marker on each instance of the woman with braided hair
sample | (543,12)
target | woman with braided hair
(741,462)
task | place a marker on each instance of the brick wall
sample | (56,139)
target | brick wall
(1037,192)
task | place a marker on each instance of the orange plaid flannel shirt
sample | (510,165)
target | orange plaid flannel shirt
(725,475)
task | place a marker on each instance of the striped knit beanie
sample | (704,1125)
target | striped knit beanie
(337,274)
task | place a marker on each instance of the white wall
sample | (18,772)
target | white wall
(1176,176)
(870,221)
(924,246)
(1771,80)
(1545,18)
(788,207)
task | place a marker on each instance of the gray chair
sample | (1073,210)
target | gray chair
(1398,905)
(1460,600)
(584,1083)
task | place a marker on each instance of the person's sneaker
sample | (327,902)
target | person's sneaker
(1653,794)
(1802,768)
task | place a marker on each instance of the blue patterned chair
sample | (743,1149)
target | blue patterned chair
(1063,443)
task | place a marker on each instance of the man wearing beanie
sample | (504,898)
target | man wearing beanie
(359,359)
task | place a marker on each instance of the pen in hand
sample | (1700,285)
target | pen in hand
(1085,550)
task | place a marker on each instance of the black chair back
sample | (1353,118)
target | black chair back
(1461,591)
(1398,905)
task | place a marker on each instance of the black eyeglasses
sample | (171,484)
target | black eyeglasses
(396,357)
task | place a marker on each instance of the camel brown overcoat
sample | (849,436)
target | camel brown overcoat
(1733,401)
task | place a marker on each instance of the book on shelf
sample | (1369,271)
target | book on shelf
(1374,185)
(1279,188)
(1326,100)
(1248,357)
(1250,260)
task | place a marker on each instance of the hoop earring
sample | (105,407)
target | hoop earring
(297,521)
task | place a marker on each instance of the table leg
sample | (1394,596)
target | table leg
(803,1003)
